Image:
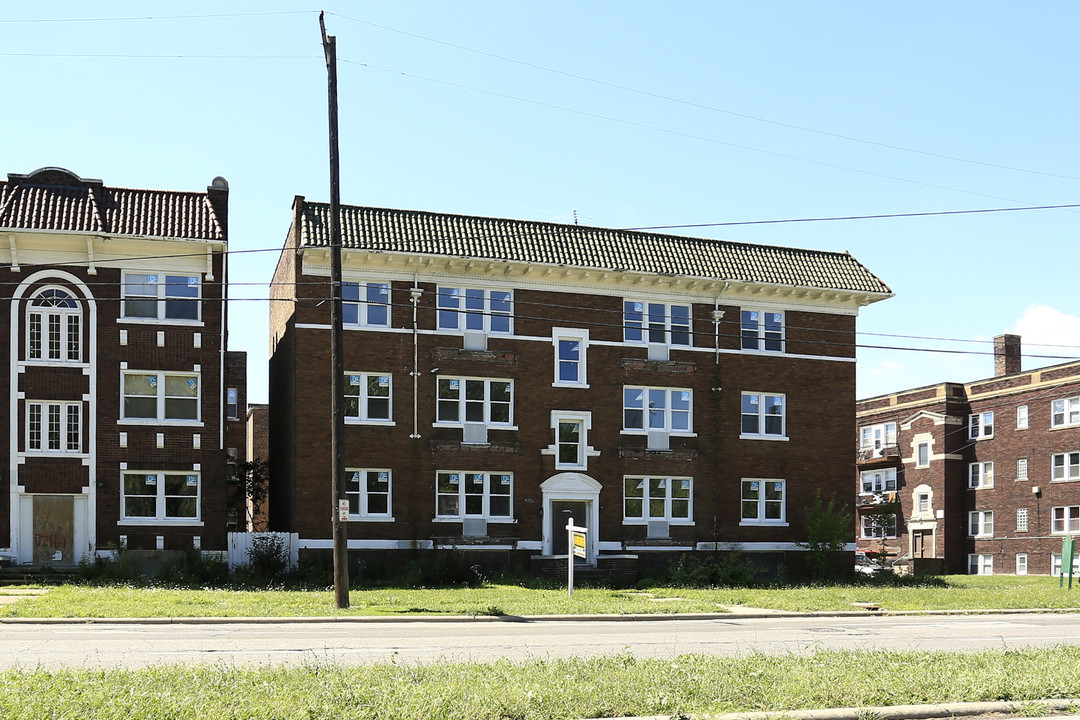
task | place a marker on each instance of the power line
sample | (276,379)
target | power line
(154,17)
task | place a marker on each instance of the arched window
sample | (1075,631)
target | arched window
(54,327)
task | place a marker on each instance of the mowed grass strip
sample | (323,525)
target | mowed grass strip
(958,592)
(573,688)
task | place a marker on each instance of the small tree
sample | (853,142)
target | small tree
(881,520)
(829,529)
(250,481)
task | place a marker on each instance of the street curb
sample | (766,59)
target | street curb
(516,618)
(895,712)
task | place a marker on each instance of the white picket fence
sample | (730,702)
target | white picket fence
(240,544)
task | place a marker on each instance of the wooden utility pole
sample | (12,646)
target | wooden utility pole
(337,335)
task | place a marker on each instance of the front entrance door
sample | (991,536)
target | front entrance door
(54,530)
(561,512)
(922,543)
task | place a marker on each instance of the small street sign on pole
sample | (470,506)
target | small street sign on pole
(575,547)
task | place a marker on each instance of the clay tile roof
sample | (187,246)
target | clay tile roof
(410,231)
(54,199)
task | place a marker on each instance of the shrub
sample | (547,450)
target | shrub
(734,570)
(268,560)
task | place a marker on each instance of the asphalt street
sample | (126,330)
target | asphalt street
(133,645)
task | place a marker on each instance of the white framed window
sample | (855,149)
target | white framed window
(1056,564)
(656,322)
(922,455)
(981,425)
(232,404)
(762,330)
(981,475)
(159,495)
(763,415)
(1065,519)
(461,494)
(368,492)
(1021,421)
(368,398)
(1066,467)
(161,396)
(647,497)
(877,437)
(365,304)
(475,310)
(571,448)
(570,355)
(877,526)
(1022,468)
(922,503)
(878,481)
(1065,412)
(981,523)
(980,564)
(53,427)
(155,296)
(763,502)
(1021,564)
(475,400)
(54,327)
(658,408)
(1021,519)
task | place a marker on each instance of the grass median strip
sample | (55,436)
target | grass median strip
(573,688)
(950,593)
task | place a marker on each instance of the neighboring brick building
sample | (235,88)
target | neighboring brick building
(670,393)
(115,354)
(978,477)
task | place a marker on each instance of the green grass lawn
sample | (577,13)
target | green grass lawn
(959,592)
(574,688)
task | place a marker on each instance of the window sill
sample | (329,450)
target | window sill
(1064,427)
(54,454)
(155,522)
(581,386)
(459,518)
(756,351)
(671,433)
(370,519)
(762,523)
(38,362)
(159,321)
(359,326)
(638,522)
(773,438)
(151,422)
(983,487)
(462,426)
(1063,480)
(383,423)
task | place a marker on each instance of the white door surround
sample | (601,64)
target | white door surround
(571,487)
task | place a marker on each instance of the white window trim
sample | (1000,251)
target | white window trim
(985,475)
(363,398)
(668,410)
(1022,462)
(585,450)
(646,327)
(362,304)
(161,419)
(645,498)
(461,421)
(1069,405)
(762,435)
(160,518)
(761,519)
(985,562)
(486,515)
(918,446)
(1070,470)
(872,521)
(1025,515)
(888,477)
(761,331)
(63,314)
(44,429)
(980,519)
(229,393)
(161,299)
(462,313)
(868,437)
(1065,526)
(1022,417)
(362,495)
(1021,567)
(977,425)
(582,337)
(1055,564)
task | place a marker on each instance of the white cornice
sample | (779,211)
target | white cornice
(428,268)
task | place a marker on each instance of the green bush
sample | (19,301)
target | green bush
(734,570)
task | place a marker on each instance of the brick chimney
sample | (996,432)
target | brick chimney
(217,193)
(1006,355)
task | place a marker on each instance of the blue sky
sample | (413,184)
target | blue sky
(629,114)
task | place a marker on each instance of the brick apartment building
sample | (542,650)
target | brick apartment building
(117,368)
(976,477)
(669,393)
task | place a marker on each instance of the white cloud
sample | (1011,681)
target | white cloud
(1046,331)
